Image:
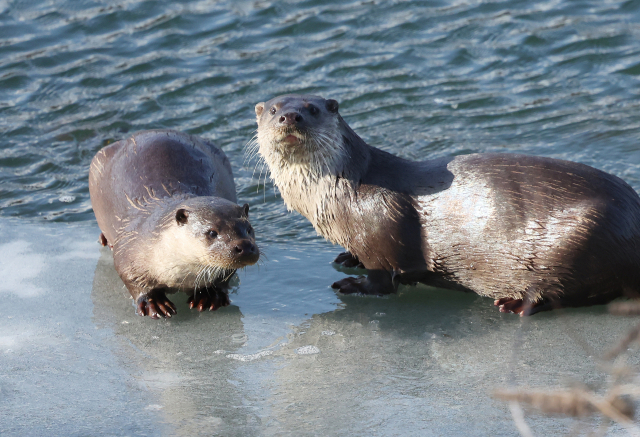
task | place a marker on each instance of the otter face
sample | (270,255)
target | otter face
(224,231)
(300,130)
(291,115)
(203,241)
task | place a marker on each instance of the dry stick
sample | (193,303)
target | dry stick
(631,336)
(568,403)
(576,403)
(625,308)
(518,419)
(628,389)
(605,406)
(579,402)
(624,343)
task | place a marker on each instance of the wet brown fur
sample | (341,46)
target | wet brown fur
(530,232)
(156,195)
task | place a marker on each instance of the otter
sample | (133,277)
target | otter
(165,202)
(532,233)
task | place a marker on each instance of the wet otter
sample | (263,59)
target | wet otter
(530,232)
(165,203)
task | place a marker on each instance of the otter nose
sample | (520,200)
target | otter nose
(245,248)
(290,118)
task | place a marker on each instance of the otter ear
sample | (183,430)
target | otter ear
(245,210)
(182,216)
(259,109)
(332,106)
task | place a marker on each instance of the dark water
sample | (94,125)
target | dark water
(419,79)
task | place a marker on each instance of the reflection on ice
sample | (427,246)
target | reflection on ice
(178,360)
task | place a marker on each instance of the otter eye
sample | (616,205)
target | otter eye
(250,230)
(313,110)
(211,233)
(272,110)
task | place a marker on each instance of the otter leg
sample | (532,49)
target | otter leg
(377,283)
(155,304)
(346,259)
(211,298)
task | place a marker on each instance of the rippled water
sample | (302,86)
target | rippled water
(419,79)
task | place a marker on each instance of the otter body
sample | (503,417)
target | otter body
(165,203)
(528,231)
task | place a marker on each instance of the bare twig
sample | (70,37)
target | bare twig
(575,403)
(622,346)
(518,419)
(625,308)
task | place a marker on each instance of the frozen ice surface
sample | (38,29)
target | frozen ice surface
(76,360)
(308,349)
(249,357)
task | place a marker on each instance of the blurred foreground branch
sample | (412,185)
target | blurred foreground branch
(615,405)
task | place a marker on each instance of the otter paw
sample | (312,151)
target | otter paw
(516,306)
(103,241)
(361,285)
(210,299)
(155,305)
(346,259)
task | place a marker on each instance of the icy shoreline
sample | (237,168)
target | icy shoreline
(76,360)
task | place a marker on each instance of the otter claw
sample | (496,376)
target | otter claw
(155,305)
(516,306)
(210,299)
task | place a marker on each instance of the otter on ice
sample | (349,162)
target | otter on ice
(532,233)
(165,203)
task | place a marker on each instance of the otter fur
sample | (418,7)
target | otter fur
(165,202)
(532,233)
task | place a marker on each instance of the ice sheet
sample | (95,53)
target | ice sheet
(288,357)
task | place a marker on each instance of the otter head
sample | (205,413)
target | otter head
(302,133)
(222,228)
(204,239)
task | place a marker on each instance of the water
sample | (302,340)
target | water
(421,80)
(418,79)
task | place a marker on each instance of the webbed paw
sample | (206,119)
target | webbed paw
(361,285)
(346,259)
(517,306)
(155,304)
(208,298)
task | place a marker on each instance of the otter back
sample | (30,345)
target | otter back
(152,165)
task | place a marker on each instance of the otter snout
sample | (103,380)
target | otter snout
(290,118)
(246,252)
(245,248)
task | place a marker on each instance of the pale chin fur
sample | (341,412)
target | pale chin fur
(179,263)
(305,180)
